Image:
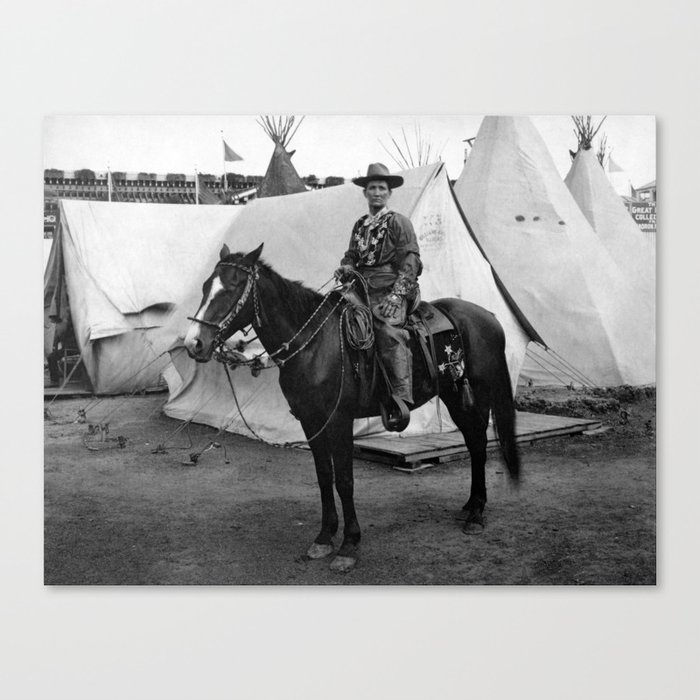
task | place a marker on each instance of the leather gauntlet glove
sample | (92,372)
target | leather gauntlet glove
(391,304)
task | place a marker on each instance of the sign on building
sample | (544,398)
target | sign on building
(644,214)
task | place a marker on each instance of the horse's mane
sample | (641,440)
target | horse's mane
(295,298)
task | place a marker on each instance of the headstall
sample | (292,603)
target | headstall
(251,285)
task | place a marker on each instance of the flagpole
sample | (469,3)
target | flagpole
(223,151)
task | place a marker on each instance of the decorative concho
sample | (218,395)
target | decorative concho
(450,356)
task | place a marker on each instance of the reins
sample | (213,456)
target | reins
(226,358)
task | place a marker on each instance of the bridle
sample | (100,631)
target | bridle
(223,326)
(250,286)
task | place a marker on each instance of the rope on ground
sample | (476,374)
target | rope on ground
(104,442)
(160,448)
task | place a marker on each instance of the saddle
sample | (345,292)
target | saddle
(434,343)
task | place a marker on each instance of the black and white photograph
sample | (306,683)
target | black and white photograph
(368,350)
(242,360)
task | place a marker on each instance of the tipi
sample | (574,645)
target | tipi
(629,246)
(305,236)
(281,177)
(553,263)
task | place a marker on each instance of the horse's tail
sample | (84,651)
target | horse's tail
(504,416)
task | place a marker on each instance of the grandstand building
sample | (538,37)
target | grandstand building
(171,188)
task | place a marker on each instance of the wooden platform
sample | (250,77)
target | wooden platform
(413,452)
(72,390)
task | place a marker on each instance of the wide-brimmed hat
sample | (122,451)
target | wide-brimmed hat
(379,171)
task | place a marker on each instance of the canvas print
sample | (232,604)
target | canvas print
(350,350)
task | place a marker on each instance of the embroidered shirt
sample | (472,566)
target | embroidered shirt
(385,238)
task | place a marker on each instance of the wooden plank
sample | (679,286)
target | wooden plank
(412,451)
(65,393)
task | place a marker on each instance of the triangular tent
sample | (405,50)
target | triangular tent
(618,178)
(281,177)
(305,236)
(630,247)
(553,263)
(116,275)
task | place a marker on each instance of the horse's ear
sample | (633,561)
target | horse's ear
(225,252)
(253,256)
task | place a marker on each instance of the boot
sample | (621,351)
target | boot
(399,374)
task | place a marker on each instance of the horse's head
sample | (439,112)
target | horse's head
(228,303)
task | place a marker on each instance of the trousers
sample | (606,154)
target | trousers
(391,336)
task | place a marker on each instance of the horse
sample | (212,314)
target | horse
(302,331)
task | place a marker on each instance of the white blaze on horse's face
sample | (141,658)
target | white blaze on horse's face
(193,333)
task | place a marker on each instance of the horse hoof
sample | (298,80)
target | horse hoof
(343,564)
(472,527)
(318,551)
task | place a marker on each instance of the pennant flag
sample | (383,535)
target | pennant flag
(613,167)
(229,153)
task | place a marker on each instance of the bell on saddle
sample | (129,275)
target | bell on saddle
(396,416)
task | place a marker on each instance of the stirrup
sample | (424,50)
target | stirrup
(396,417)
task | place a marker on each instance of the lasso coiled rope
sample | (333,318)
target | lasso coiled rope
(359,326)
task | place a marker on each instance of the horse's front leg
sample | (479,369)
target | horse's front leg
(322,546)
(340,435)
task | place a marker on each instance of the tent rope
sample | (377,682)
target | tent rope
(47,410)
(543,366)
(97,400)
(582,377)
(563,367)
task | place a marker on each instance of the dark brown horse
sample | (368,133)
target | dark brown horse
(303,332)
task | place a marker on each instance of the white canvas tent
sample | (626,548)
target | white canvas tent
(618,178)
(48,244)
(305,236)
(117,274)
(553,263)
(631,248)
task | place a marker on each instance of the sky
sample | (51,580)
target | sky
(325,145)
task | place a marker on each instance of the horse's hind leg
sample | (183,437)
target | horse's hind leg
(473,424)
(323,544)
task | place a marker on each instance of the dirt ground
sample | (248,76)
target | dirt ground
(583,514)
